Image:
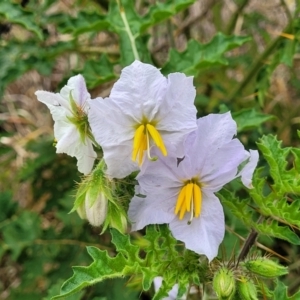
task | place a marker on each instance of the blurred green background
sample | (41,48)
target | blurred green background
(43,43)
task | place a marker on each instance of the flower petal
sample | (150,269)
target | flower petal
(139,91)
(70,143)
(247,172)
(223,167)
(214,131)
(53,100)
(154,209)
(206,232)
(110,126)
(177,114)
(118,160)
(76,85)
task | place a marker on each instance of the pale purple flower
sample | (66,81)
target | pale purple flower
(182,195)
(69,110)
(144,110)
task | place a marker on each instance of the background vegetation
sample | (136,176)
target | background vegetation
(245,57)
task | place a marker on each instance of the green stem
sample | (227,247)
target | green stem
(129,33)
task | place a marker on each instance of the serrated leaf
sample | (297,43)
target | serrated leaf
(102,268)
(240,208)
(249,118)
(124,246)
(199,56)
(285,180)
(275,230)
(14,14)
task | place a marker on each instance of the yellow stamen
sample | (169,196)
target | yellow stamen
(157,139)
(188,197)
(138,141)
(143,146)
(182,212)
(189,200)
(141,142)
(197,200)
(180,200)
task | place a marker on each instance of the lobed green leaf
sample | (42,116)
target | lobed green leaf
(199,56)
(14,14)
(249,118)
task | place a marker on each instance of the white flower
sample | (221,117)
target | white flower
(183,194)
(69,111)
(144,109)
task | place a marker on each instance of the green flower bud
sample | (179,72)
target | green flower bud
(247,289)
(265,267)
(224,284)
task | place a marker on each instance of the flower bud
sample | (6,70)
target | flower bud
(265,267)
(224,284)
(247,289)
(96,211)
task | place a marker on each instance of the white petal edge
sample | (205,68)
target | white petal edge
(247,172)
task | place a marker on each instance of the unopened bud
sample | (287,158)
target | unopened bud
(224,284)
(247,289)
(96,211)
(265,267)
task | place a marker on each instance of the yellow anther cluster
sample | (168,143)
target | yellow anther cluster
(189,200)
(141,142)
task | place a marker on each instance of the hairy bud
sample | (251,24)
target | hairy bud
(224,284)
(96,211)
(265,267)
(247,289)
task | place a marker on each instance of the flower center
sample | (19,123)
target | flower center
(189,200)
(141,142)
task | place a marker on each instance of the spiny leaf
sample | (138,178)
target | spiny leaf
(275,230)
(285,181)
(124,246)
(102,268)
(239,208)
(198,56)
